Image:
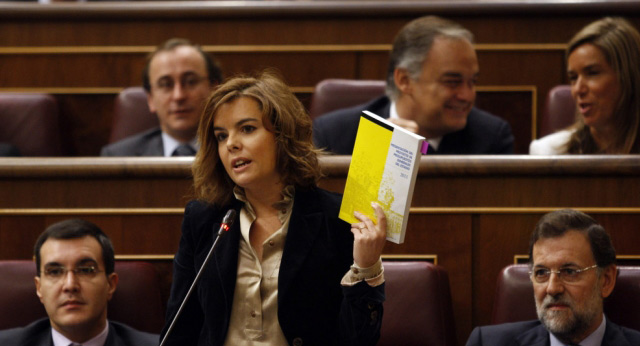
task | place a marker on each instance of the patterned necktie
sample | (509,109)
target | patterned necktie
(184,150)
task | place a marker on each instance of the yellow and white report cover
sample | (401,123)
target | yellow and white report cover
(383,169)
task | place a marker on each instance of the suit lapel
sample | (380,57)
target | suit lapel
(154,146)
(537,336)
(304,226)
(613,336)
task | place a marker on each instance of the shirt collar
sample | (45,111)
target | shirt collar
(169,144)
(98,340)
(594,339)
(284,205)
(393,114)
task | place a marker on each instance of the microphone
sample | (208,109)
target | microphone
(225,225)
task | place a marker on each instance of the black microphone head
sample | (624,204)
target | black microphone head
(229,217)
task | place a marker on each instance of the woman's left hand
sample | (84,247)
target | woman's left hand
(369,239)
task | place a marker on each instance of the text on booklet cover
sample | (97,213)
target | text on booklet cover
(384,167)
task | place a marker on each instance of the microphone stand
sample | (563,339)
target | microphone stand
(227,221)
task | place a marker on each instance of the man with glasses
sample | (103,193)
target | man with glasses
(573,269)
(75,280)
(178,78)
(431,81)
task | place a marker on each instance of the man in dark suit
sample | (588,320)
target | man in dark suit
(178,78)
(572,270)
(430,90)
(75,280)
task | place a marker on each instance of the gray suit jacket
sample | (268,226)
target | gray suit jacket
(148,143)
(38,333)
(533,333)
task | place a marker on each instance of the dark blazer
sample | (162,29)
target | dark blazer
(484,133)
(148,143)
(7,149)
(38,333)
(533,333)
(313,308)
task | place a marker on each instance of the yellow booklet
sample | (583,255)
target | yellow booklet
(383,169)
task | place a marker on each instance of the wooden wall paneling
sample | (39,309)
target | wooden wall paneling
(543,68)
(143,30)
(297,68)
(151,234)
(373,64)
(56,68)
(18,234)
(496,239)
(94,193)
(85,122)
(516,105)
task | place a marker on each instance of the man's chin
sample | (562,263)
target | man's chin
(558,322)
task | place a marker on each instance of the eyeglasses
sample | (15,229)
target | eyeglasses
(568,274)
(189,82)
(82,272)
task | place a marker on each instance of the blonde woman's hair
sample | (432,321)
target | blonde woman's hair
(619,41)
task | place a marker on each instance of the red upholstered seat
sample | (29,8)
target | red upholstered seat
(137,301)
(333,94)
(30,122)
(418,308)
(514,297)
(559,111)
(131,114)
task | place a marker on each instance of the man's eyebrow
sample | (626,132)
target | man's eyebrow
(452,75)
(85,261)
(52,264)
(563,265)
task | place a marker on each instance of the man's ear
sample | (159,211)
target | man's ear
(608,277)
(36,279)
(152,107)
(112,281)
(403,80)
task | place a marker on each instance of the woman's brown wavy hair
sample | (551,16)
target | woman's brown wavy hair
(282,114)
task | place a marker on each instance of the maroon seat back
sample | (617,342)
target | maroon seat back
(137,301)
(30,122)
(333,94)
(559,111)
(418,308)
(514,300)
(131,114)
(514,297)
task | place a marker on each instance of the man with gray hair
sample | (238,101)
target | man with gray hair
(430,90)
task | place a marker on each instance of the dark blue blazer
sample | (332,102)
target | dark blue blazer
(484,133)
(7,149)
(38,333)
(313,308)
(533,333)
(148,143)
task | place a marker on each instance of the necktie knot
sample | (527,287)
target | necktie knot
(184,150)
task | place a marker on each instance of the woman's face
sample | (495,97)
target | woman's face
(246,148)
(594,85)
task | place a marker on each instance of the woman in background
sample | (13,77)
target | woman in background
(603,64)
(288,271)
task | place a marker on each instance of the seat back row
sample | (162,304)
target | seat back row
(31,121)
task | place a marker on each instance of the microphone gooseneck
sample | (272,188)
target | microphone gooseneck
(225,225)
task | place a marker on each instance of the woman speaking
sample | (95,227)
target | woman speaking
(288,271)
